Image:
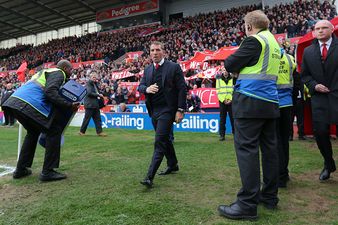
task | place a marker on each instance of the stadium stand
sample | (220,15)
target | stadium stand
(183,37)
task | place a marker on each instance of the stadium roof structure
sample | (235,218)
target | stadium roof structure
(28,17)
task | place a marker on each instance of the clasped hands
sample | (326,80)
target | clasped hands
(321,88)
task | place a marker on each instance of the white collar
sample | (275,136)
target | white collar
(160,63)
(328,43)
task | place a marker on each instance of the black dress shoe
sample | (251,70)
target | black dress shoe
(235,212)
(147,182)
(20,173)
(302,138)
(221,138)
(51,175)
(325,174)
(169,170)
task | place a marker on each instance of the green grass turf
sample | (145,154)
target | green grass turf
(104,173)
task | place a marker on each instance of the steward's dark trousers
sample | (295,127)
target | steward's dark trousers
(249,136)
(53,141)
(298,111)
(322,135)
(223,111)
(163,146)
(283,134)
(9,117)
(95,114)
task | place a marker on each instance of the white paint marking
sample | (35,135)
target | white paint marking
(8,170)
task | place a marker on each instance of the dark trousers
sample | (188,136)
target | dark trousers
(283,134)
(322,135)
(95,114)
(9,117)
(298,111)
(223,111)
(249,136)
(162,146)
(53,141)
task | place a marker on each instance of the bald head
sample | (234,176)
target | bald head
(323,30)
(65,65)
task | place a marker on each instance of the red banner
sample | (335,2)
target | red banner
(121,74)
(208,97)
(280,37)
(199,61)
(134,55)
(128,10)
(295,40)
(207,74)
(222,53)
(3,74)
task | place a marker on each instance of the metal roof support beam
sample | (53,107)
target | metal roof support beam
(54,11)
(16,26)
(85,4)
(27,17)
(8,34)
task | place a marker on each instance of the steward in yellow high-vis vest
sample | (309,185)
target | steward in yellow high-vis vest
(255,110)
(284,86)
(38,106)
(224,90)
(285,80)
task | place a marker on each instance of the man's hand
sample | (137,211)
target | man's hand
(321,88)
(179,117)
(101,95)
(75,106)
(152,89)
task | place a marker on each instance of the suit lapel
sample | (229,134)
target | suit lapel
(332,47)
(150,75)
(164,72)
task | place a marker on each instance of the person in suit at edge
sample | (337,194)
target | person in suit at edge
(38,106)
(255,111)
(320,74)
(165,90)
(92,108)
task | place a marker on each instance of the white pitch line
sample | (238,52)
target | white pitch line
(8,170)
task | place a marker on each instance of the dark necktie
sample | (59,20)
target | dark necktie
(157,66)
(324,51)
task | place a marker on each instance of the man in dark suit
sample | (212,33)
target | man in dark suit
(320,75)
(92,108)
(164,87)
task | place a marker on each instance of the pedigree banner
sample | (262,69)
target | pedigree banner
(128,10)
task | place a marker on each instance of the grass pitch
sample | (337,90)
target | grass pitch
(104,173)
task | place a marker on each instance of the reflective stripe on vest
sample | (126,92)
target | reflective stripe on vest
(33,92)
(259,81)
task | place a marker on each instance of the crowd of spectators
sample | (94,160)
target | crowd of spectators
(183,37)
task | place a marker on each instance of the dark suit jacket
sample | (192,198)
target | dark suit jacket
(315,71)
(91,101)
(172,82)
